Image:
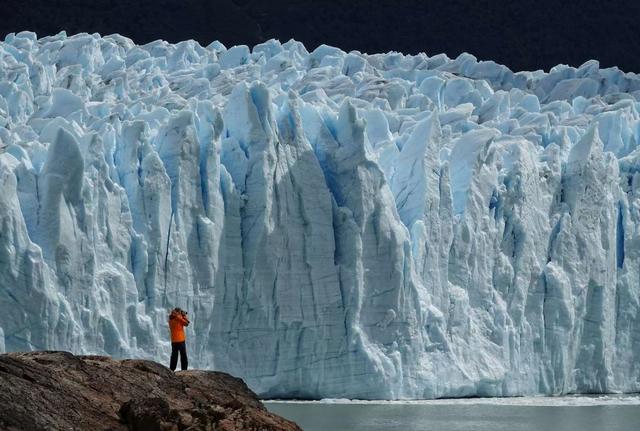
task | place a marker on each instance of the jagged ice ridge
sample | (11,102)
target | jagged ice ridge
(337,224)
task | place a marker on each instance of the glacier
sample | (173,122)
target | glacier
(339,225)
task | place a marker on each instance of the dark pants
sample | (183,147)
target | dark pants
(175,348)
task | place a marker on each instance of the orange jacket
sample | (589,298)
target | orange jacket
(177,322)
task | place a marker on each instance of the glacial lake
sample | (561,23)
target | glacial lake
(605,413)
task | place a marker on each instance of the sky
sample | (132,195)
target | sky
(524,35)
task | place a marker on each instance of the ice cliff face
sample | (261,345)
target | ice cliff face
(338,225)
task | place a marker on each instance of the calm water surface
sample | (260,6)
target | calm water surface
(566,414)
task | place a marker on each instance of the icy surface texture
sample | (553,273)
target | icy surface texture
(337,224)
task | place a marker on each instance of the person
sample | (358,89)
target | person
(177,321)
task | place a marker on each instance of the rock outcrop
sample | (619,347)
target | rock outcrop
(58,390)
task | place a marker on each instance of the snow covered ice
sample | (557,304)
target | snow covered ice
(339,225)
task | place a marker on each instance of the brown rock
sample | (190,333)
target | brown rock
(57,390)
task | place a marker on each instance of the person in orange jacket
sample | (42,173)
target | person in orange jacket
(177,321)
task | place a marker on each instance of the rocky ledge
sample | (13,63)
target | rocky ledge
(61,391)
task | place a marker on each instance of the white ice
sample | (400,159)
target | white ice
(339,225)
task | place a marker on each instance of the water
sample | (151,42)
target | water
(521,414)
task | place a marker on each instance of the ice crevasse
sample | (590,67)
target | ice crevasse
(338,224)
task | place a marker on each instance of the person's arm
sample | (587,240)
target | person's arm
(183,319)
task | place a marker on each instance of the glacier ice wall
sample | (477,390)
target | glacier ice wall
(337,224)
